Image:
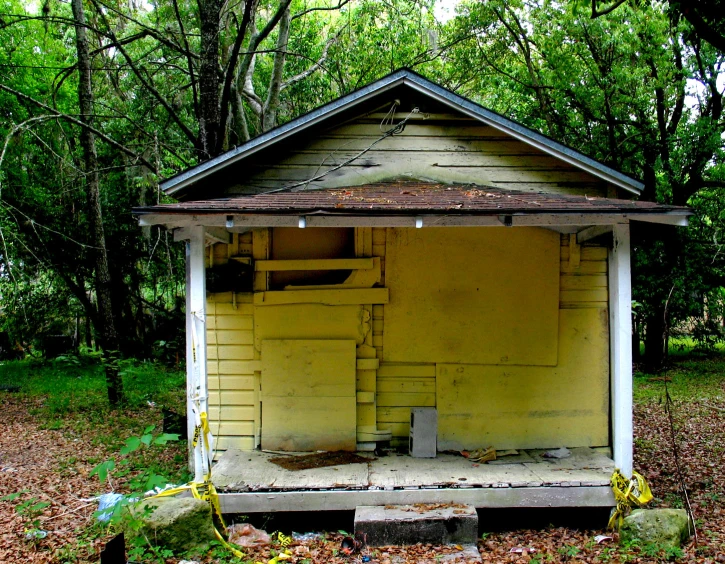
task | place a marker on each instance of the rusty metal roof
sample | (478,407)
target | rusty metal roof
(411,198)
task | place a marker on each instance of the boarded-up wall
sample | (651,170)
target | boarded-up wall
(495,402)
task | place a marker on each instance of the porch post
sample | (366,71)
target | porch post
(620,343)
(196,375)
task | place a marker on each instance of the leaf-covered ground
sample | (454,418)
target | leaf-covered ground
(47,459)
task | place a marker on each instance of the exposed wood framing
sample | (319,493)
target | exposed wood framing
(589,233)
(314,264)
(620,341)
(580,496)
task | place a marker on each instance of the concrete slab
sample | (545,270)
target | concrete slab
(252,471)
(400,471)
(440,523)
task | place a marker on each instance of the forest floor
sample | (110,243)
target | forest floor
(56,430)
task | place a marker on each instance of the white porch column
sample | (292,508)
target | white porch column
(196,375)
(620,343)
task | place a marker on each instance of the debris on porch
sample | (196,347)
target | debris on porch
(318,460)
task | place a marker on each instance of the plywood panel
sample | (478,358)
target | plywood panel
(472,295)
(308,395)
(297,368)
(308,424)
(310,321)
(528,406)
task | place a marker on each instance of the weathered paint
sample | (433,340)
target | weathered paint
(571,397)
(444,148)
(472,295)
(308,395)
(532,406)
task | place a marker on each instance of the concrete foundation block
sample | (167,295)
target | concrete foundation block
(411,524)
(423,432)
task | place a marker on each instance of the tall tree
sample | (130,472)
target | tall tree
(108,337)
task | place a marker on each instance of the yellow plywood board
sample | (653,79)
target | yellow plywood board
(472,295)
(310,321)
(314,264)
(296,368)
(308,395)
(326,297)
(308,424)
(529,406)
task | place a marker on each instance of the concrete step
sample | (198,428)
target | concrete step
(451,523)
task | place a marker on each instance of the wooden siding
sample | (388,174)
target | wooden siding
(443,148)
(385,391)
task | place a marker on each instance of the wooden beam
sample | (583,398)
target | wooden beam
(620,342)
(196,369)
(245,222)
(589,233)
(327,297)
(679,219)
(314,264)
(217,235)
(341,500)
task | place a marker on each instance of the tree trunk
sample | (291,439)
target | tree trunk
(654,341)
(269,120)
(106,330)
(209,126)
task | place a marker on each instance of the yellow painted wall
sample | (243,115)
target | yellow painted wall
(564,404)
(472,295)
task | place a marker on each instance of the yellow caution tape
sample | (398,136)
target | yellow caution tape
(205,490)
(628,493)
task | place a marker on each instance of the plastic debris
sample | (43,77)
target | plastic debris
(247,535)
(601,538)
(562,452)
(480,454)
(306,537)
(35,534)
(366,559)
(106,503)
(522,550)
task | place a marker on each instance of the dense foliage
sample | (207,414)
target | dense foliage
(99,99)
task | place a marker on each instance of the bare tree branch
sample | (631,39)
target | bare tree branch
(71,119)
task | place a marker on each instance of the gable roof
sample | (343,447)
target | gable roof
(364,99)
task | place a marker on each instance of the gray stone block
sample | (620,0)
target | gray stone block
(177,523)
(411,524)
(667,528)
(423,432)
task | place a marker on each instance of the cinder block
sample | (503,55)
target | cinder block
(423,432)
(410,524)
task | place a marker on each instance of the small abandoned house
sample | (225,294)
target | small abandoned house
(402,250)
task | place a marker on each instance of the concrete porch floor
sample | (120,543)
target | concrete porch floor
(249,483)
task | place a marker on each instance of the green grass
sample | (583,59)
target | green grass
(77,384)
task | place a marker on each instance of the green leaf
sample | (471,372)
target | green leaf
(148,429)
(165,438)
(155,480)
(146,439)
(12,496)
(103,469)
(132,444)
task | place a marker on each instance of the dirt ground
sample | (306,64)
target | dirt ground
(51,467)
